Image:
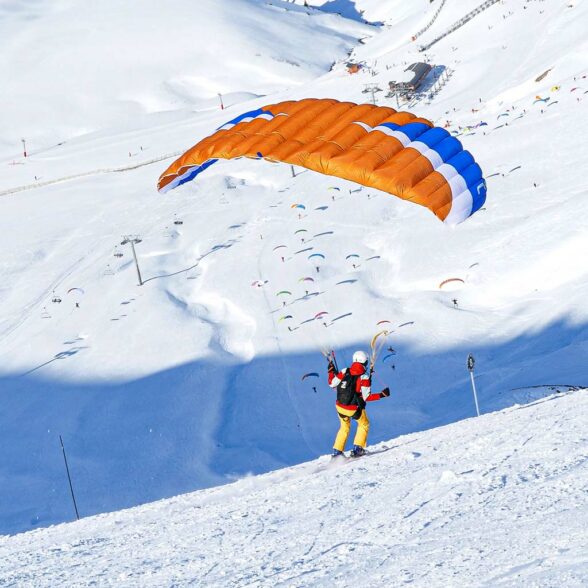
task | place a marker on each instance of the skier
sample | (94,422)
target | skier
(353,391)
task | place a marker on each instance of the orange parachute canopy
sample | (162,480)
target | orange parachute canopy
(452,281)
(375,146)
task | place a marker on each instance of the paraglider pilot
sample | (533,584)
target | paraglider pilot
(353,391)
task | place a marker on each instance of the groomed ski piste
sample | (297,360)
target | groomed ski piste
(194,380)
(496,501)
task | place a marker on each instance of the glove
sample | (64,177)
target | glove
(385,392)
(331,366)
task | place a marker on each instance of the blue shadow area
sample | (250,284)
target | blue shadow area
(347,9)
(207,423)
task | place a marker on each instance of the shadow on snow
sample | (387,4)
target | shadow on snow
(206,423)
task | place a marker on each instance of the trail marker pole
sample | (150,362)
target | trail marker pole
(69,479)
(293,171)
(24,147)
(220,97)
(132,239)
(471,362)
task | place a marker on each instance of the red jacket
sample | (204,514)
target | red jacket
(363,387)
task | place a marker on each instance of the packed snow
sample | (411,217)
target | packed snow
(496,501)
(194,379)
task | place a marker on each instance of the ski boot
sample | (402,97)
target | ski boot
(336,453)
(357,451)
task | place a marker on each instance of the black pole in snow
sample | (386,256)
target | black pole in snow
(471,362)
(69,478)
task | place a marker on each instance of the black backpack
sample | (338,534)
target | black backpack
(346,391)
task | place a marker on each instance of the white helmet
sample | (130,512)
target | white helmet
(360,357)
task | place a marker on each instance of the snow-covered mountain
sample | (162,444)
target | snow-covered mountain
(496,501)
(193,380)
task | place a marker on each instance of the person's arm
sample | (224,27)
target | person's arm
(376,396)
(334,378)
(364,387)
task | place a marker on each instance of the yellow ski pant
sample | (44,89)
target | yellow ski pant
(363,427)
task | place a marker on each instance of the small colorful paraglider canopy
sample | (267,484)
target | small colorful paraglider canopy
(75,291)
(310,375)
(298,206)
(352,255)
(285,317)
(307,279)
(320,314)
(284,292)
(316,255)
(279,247)
(452,281)
(375,146)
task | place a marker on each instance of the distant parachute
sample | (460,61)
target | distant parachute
(281,292)
(452,281)
(316,255)
(75,290)
(352,255)
(298,206)
(310,375)
(372,145)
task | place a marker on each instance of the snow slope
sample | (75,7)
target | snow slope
(193,380)
(496,501)
(71,68)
